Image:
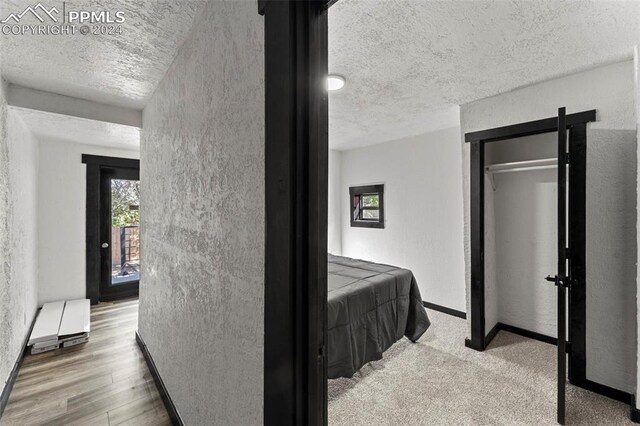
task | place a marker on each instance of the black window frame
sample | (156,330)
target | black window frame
(355,191)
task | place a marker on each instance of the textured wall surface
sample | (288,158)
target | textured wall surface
(7,330)
(202,175)
(611,201)
(423,211)
(336,195)
(18,234)
(407,61)
(611,257)
(62,186)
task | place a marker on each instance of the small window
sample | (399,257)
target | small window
(367,206)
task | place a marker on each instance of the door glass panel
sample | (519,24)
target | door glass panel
(125,231)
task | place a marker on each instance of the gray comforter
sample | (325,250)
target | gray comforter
(370,307)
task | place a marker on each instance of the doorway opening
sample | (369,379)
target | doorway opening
(113,227)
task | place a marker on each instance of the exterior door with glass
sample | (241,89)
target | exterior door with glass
(119,232)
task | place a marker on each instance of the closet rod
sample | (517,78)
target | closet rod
(547,163)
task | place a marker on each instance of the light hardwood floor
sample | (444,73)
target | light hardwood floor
(102,382)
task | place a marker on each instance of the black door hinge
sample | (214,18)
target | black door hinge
(567,158)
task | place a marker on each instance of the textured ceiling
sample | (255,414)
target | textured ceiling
(121,70)
(46,125)
(408,63)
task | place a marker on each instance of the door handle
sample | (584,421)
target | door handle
(561,281)
(105,245)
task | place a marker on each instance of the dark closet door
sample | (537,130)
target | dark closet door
(560,279)
(119,232)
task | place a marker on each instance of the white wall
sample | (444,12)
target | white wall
(62,183)
(202,175)
(611,202)
(18,235)
(334,234)
(423,211)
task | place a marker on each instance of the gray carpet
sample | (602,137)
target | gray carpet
(438,381)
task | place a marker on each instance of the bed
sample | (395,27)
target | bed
(370,307)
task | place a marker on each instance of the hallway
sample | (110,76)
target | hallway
(102,382)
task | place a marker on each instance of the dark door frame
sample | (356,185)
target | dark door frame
(108,291)
(576,124)
(296,175)
(97,166)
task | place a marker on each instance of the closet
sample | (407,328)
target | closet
(520,208)
(527,218)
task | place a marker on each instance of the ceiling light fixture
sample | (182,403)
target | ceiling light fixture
(335,82)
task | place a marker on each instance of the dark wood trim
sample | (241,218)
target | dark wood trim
(492,333)
(8,387)
(117,162)
(296,187)
(365,189)
(362,224)
(477,312)
(326,4)
(529,334)
(445,310)
(577,255)
(609,392)
(162,389)
(562,272)
(13,376)
(536,127)
(93,262)
(316,210)
(132,292)
(95,196)
(471,345)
